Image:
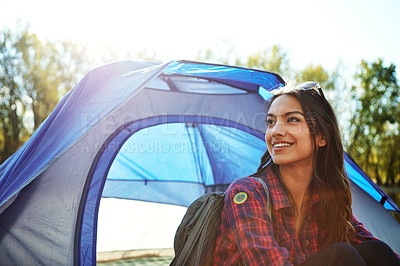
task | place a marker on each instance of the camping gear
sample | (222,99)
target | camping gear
(196,236)
(165,133)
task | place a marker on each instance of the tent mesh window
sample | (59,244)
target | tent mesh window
(192,85)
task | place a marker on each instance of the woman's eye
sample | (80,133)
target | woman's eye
(293,119)
(269,122)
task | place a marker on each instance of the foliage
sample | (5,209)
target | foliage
(274,60)
(375,137)
(49,71)
(33,77)
(319,74)
(12,106)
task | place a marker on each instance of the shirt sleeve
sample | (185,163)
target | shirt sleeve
(251,226)
(361,233)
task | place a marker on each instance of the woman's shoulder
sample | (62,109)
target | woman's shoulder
(253,181)
(243,182)
(248,183)
(248,186)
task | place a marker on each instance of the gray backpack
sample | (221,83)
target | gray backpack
(196,236)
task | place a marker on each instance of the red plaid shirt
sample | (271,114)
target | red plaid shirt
(247,233)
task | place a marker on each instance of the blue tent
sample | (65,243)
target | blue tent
(163,133)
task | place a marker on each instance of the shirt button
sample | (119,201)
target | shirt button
(306,242)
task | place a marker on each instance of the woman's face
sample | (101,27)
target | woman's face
(288,136)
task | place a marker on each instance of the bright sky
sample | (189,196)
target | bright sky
(311,31)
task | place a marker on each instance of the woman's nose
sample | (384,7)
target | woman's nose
(278,130)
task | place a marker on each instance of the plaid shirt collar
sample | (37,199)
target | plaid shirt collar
(277,193)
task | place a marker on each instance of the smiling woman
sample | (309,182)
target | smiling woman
(288,137)
(312,221)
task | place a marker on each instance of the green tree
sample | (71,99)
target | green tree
(49,71)
(319,74)
(33,77)
(375,137)
(273,59)
(12,106)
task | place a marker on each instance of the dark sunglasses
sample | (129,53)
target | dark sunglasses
(311,86)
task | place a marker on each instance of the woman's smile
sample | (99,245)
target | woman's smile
(281,146)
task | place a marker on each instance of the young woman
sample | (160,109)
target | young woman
(311,220)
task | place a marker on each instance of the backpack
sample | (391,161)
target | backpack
(196,236)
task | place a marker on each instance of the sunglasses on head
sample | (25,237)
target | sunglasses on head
(311,86)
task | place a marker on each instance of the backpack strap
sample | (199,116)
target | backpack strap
(269,211)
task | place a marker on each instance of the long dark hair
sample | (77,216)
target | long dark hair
(334,208)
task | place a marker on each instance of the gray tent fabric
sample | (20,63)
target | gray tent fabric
(46,222)
(375,218)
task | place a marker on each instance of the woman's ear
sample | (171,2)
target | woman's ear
(321,141)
